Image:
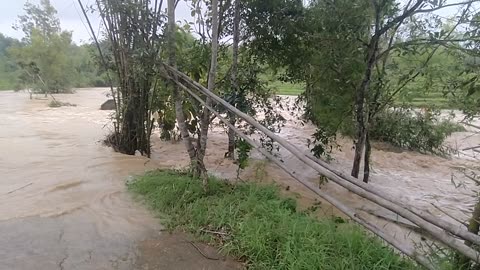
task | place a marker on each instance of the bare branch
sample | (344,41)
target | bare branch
(445,6)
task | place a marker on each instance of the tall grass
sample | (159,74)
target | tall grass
(264,229)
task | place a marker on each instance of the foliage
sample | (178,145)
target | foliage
(134,33)
(43,57)
(243,149)
(8,68)
(44,63)
(262,228)
(430,87)
(87,71)
(57,104)
(41,17)
(413,130)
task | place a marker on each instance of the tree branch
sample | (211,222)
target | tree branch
(444,6)
(407,13)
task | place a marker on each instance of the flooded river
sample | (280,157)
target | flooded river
(63,202)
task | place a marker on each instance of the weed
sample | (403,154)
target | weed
(263,228)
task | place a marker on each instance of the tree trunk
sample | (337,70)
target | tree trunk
(359,144)
(463,262)
(231,137)
(360,105)
(366,161)
(180,116)
(234,74)
(212,74)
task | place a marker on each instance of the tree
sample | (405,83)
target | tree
(179,113)
(234,75)
(376,90)
(345,50)
(212,76)
(44,55)
(133,29)
(42,17)
(8,68)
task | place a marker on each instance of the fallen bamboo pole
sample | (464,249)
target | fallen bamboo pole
(407,250)
(455,229)
(361,190)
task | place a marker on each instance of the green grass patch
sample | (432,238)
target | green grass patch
(263,228)
(285,88)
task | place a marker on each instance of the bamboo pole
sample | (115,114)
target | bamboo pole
(407,250)
(363,191)
(455,229)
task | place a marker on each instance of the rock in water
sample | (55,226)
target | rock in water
(108,105)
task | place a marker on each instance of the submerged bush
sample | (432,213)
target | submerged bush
(413,130)
(261,227)
(57,104)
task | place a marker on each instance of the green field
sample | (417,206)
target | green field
(436,99)
(261,227)
(285,88)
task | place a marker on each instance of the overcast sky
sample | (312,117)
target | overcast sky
(71,19)
(69,13)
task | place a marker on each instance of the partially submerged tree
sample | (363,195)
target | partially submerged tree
(44,56)
(133,29)
(342,51)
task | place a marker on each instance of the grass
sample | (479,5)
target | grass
(285,88)
(263,228)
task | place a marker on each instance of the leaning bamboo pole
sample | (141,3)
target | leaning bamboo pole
(362,190)
(407,250)
(456,229)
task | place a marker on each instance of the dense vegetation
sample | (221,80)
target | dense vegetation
(46,60)
(261,227)
(82,71)
(354,62)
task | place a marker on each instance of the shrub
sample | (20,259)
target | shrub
(413,130)
(57,104)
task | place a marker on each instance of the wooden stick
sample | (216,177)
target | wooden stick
(358,188)
(471,148)
(470,125)
(17,189)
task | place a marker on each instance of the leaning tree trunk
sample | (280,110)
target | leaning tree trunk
(360,104)
(234,79)
(172,60)
(212,74)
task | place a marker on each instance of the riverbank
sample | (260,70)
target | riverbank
(62,187)
(255,224)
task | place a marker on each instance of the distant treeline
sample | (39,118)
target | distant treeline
(79,66)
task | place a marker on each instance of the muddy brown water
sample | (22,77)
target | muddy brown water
(63,202)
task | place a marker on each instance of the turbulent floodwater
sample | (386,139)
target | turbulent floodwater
(63,202)
(62,196)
